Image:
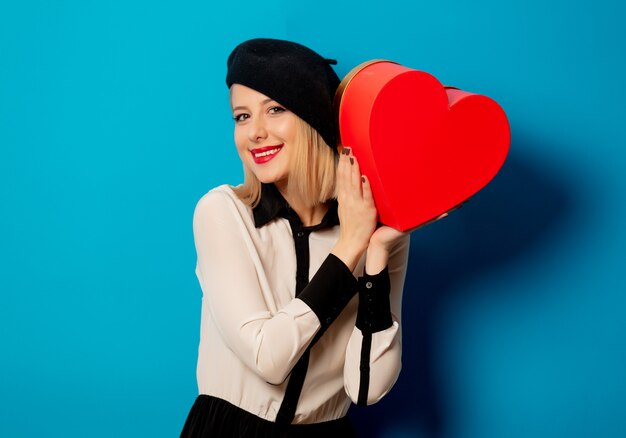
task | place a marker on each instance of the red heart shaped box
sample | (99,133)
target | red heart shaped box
(425,148)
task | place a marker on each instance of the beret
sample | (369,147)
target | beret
(291,74)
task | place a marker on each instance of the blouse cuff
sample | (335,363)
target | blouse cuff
(374,314)
(330,290)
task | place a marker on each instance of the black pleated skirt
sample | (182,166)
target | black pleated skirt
(214,417)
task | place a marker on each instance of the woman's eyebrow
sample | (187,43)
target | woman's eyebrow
(264,102)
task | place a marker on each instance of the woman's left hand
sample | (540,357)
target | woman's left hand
(385,236)
(381,243)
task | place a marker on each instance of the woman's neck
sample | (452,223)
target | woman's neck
(308,215)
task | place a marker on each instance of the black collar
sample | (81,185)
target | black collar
(272,205)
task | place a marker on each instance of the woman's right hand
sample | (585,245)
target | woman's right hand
(356,209)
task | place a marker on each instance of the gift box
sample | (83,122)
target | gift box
(426,148)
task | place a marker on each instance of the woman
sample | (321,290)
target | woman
(301,291)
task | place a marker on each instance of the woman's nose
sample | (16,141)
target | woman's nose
(257,131)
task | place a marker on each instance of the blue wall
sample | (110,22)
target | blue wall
(114,121)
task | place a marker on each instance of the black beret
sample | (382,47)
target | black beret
(293,75)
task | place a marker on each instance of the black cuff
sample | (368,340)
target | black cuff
(330,290)
(374,313)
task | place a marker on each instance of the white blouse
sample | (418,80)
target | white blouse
(253,329)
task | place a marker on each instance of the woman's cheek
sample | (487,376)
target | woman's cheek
(286,127)
(240,143)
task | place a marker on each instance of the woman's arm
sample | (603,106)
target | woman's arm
(268,340)
(373,354)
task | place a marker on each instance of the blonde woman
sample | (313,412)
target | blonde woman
(301,290)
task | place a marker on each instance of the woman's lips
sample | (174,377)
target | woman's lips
(264,154)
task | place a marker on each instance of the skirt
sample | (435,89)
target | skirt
(214,417)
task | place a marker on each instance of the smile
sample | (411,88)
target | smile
(265,154)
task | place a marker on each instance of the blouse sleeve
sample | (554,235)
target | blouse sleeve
(373,355)
(268,342)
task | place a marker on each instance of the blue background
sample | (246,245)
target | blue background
(114,120)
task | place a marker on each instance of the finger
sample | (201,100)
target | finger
(441,216)
(342,173)
(355,174)
(456,207)
(367,190)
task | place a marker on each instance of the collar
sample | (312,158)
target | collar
(272,205)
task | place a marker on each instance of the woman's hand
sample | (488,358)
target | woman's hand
(382,241)
(379,247)
(356,209)
(386,236)
(358,217)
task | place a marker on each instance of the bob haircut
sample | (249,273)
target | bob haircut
(313,171)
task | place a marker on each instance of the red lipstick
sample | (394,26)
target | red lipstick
(266,153)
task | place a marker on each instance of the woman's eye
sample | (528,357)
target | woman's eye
(276,109)
(240,117)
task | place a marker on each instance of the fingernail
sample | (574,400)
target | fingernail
(346,151)
(351,160)
(362,178)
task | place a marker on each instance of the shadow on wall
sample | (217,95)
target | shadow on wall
(515,212)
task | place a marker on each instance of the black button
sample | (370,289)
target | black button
(368,285)
(300,234)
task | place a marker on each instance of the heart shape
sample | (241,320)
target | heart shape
(425,148)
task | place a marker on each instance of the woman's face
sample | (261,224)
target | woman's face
(265,134)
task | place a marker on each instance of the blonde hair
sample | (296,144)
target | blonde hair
(312,171)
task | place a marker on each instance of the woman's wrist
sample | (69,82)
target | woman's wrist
(377,258)
(348,253)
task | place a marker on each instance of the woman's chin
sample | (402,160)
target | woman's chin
(269,178)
